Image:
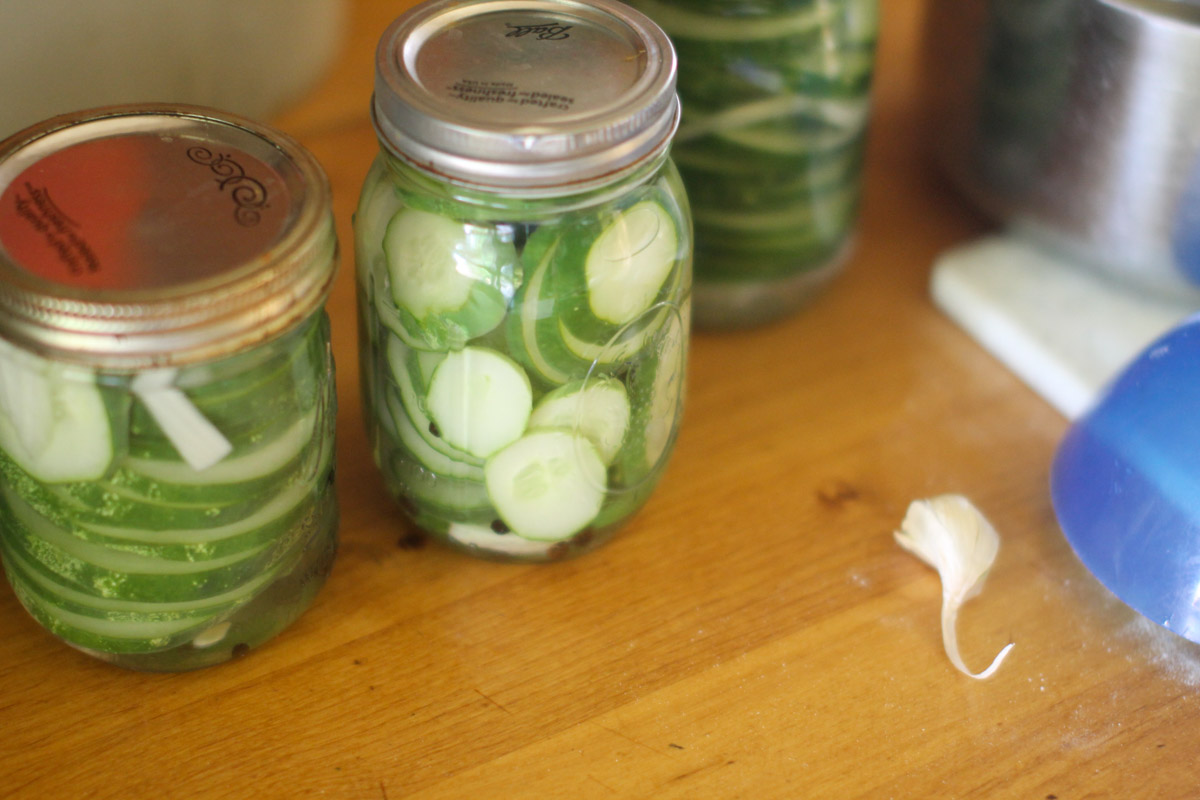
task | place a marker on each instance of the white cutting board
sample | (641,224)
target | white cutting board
(1063,329)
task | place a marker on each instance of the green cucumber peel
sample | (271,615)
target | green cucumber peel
(440,496)
(410,440)
(118,626)
(683,23)
(99,570)
(597,409)
(449,281)
(411,371)
(656,391)
(532,330)
(266,524)
(608,272)
(254,405)
(251,465)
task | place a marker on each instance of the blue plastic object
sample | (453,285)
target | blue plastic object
(1126,483)
(1185,229)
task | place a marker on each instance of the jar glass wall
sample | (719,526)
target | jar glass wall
(121,548)
(522,361)
(523,248)
(167,402)
(775,98)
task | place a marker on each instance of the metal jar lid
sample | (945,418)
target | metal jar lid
(528,96)
(145,236)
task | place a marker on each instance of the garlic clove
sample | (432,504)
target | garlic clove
(952,536)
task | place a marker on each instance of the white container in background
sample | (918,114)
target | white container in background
(250,57)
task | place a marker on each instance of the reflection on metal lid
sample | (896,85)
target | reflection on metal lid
(142,210)
(158,234)
(525,94)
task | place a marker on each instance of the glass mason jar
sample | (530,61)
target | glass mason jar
(166,384)
(775,100)
(524,272)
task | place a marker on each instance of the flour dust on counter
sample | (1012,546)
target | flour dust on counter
(1168,652)
(1141,639)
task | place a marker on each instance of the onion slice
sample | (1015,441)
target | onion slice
(196,439)
(949,534)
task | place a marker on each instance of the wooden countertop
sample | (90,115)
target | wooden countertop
(754,633)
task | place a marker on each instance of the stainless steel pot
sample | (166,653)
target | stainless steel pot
(1077,121)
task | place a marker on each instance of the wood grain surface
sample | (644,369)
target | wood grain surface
(754,632)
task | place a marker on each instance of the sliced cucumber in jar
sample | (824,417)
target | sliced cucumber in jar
(625,345)
(415,445)
(548,485)
(268,524)
(533,335)
(480,400)
(442,497)
(629,262)
(487,540)
(180,481)
(112,506)
(775,100)
(122,626)
(104,572)
(248,408)
(411,372)
(598,409)
(609,274)
(506,440)
(54,422)
(705,24)
(450,281)
(377,204)
(656,394)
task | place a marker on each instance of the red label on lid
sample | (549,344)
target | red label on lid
(141,211)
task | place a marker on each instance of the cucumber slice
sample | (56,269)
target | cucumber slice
(121,626)
(450,281)
(377,205)
(548,485)
(71,599)
(53,419)
(408,371)
(415,445)
(108,636)
(609,269)
(133,500)
(620,348)
(480,400)
(98,570)
(116,506)
(656,391)
(266,524)
(627,342)
(442,496)
(628,262)
(686,24)
(532,331)
(775,109)
(542,330)
(427,362)
(484,540)
(597,409)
